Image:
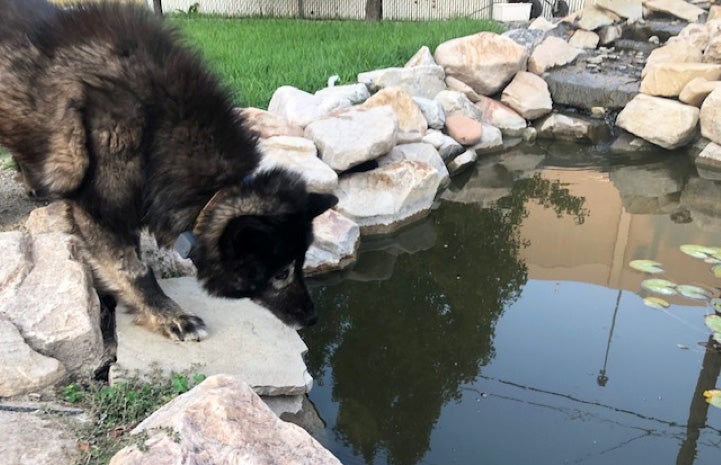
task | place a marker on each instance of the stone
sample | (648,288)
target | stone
(22,369)
(669,79)
(457,85)
(714,13)
(446,145)
(677,8)
(354,136)
(550,53)
(647,180)
(432,111)
(501,116)
(521,163)
(485,61)
(166,263)
(420,152)
(710,116)
(244,339)
(456,102)
(491,141)
(300,155)
(50,218)
(594,17)
(674,52)
(584,39)
(696,91)
(335,243)
(267,124)
(696,35)
(573,128)
(667,123)
(221,421)
(462,162)
(35,439)
(412,125)
(465,130)
(701,197)
(44,273)
(628,143)
(528,95)
(576,87)
(386,198)
(710,157)
(419,81)
(423,57)
(541,24)
(300,108)
(355,93)
(609,34)
(528,38)
(712,52)
(629,9)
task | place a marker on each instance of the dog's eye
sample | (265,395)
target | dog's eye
(283,275)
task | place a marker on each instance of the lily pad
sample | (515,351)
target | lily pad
(713,322)
(659,286)
(655,302)
(693,292)
(647,266)
(713,397)
(699,251)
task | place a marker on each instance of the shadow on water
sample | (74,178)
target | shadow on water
(405,334)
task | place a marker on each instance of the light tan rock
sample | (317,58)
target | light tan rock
(553,51)
(354,93)
(572,128)
(710,157)
(300,108)
(501,116)
(669,79)
(335,243)
(420,152)
(593,17)
(697,90)
(419,81)
(491,140)
(677,8)
(485,61)
(267,124)
(697,35)
(714,13)
(456,85)
(667,123)
(584,39)
(528,95)
(35,439)
(457,102)
(541,24)
(711,115)
(673,52)
(630,9)
(412,125)
(221,421)
(464,130)
(423,57)
(712,52)
(609,34)
(300,155)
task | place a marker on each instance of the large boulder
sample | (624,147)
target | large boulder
(267,124)
(629,9)
(696,90)
(412,125)
(465,130)
(593,17)
(581,88)
(501,116)
(552,52)
(420,152)
(300,108)
(573,128)
(677,8)
(419,81)
(669,79)
(386,198)
(432,111)
(335,243)
(528,95)
(300,155)
(457,102)
(222,422)
(667,123)
(584,39)
(354,93)
(711,115)
(355,135)
(485,61)
(35,439)
(673,52)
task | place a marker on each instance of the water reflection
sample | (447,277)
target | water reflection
(405,335)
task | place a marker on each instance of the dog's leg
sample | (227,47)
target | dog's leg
(118,270)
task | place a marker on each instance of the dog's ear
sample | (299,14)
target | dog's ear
(318,203)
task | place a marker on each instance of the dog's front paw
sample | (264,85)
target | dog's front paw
(184,327)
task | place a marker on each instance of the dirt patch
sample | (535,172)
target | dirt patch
(15,205)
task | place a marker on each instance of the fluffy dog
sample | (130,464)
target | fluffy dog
(103,106)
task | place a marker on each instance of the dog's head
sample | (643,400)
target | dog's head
(252,240)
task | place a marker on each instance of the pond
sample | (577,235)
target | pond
(508,328)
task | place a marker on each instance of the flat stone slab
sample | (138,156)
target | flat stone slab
(576,87)
(32,439)
(244,339)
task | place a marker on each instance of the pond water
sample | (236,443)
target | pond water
(508,328)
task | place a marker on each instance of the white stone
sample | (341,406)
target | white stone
(460,86)
(421,152)
(446,145)
(419,81)
(491,141)
(300,108)
(300,155)
(711,115)
(244,339)
(584,39)
(669,79)
(593,17)
(22,369)
(456,102)
(462,162)
(432,111)
(335,244)
(630,9)
(388,197)
(355,93)
(485,61)
(710,157)
(267,124)
(412,125)
(697,35)
(34,439)
(353,136)
(501,116)
(542,24)
(528,95)
(565,127)
(609,34)
(667,123)
(423,57)
(673,52)
(678,8)
(221,421)
(550,53)
(64,321)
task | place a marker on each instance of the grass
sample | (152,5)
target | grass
(115,410)
(256,56)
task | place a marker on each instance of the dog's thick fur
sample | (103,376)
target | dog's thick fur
(103,106)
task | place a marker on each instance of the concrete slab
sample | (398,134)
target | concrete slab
(244,340)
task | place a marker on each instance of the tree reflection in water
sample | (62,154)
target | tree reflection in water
(400,348)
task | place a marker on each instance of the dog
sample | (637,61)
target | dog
(103,106)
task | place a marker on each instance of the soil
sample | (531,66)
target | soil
(15,204)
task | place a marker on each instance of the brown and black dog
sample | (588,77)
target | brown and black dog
(103,106)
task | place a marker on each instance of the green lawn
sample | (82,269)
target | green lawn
(256,56)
